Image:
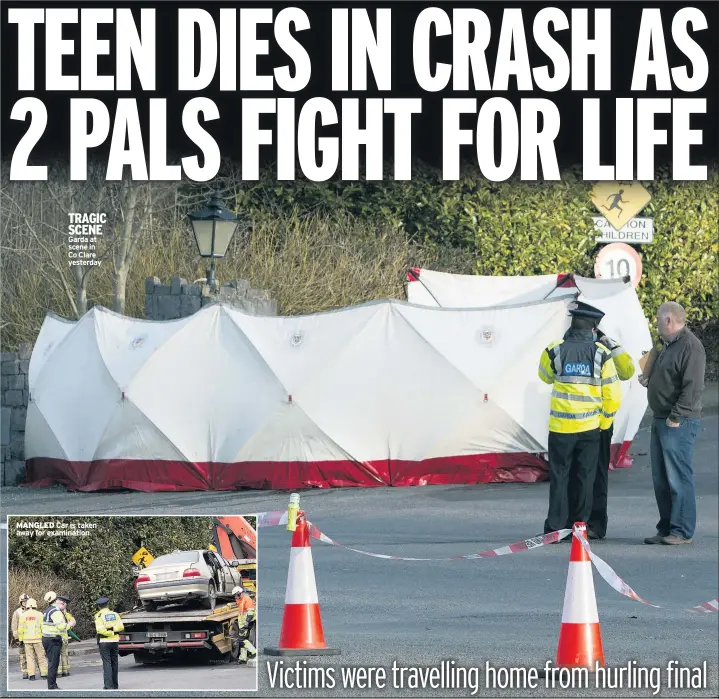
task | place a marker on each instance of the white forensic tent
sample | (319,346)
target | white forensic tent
(385,393)
(624,321)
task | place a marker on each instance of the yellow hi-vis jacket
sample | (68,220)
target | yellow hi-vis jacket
(69,618)
(108,625)
(15,624)
(30,630)
(53,622)
(586,391)
(622,360)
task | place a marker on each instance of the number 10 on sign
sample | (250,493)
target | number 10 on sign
(617,261)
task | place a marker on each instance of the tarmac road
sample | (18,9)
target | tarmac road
(505,610)
(86,674)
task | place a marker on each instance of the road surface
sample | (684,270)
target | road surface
(505,611)
(86,674)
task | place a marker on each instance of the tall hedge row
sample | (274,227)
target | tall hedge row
(520,228)
(101,562)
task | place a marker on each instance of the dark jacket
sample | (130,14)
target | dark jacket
(676,382)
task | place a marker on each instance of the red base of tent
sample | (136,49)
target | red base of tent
(619,456)
(158,476)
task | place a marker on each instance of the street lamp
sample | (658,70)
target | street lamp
(213,227)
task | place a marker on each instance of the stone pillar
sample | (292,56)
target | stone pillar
(13,411)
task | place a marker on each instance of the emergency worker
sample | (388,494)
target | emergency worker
(15,627)
(245,617)
(598,519)
(53,625)
(108,625)
(585,398)
(64,656)
(30,635)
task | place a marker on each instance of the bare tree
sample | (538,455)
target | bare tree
(76,197)
(136,206)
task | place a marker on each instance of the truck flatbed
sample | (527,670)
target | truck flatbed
(176,628)
(175,612)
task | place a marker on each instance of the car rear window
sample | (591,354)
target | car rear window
(175,559)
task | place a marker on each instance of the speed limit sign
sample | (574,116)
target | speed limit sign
(617,261)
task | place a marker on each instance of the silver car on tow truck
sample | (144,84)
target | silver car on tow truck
(187,575)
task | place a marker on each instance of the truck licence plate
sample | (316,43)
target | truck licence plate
(156,634)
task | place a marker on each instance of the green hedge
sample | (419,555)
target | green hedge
(517,228)
(101,563)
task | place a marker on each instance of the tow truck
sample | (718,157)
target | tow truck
(175,628)
(235,538)
(155,636)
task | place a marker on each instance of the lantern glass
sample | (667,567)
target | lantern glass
(224,230)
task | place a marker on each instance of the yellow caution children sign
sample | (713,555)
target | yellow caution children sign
(142,557)
(619,202)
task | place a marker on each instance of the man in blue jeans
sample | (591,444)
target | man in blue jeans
(674,389)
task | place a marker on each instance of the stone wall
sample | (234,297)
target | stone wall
(13,409)
(179,299)
(162,302)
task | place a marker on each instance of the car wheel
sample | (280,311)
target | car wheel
(211,600)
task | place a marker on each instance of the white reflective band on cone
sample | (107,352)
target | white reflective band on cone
(580,605)
(301,585)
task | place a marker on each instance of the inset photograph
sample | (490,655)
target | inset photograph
(132,603)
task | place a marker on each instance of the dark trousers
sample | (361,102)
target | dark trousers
(53,648)
(672,449)
(109,655)
(599,517)
(572,468)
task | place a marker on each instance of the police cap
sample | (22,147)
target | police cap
(64,599)
(584,310)
(102,601)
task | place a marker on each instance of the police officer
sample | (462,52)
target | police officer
(53,626)
(598,519)
(585,397)
(108,626)
(245,617)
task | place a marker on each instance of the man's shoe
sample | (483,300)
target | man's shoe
(32,678)
(593,535)
(656,539)
(25,676)
(673,540)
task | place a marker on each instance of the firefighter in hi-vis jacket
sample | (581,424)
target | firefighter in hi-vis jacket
(30,635)
(585,398)
(15,627)
(245,616)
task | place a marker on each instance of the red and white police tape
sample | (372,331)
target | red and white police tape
(279,517)
(516,547)
(608,574)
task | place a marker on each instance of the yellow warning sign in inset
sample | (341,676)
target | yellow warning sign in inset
(142,557)
(619,202)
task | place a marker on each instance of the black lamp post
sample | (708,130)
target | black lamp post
(213,227)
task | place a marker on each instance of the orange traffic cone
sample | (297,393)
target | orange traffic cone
(301,632)
(580,639)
